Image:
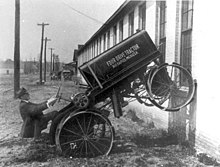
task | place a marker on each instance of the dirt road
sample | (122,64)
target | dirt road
(137,144)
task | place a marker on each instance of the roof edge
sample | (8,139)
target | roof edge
(105,24)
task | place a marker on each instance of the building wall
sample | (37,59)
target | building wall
(151,19)
(170,31)
(205,69)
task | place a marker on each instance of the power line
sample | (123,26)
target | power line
(83,13)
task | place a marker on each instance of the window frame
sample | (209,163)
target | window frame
(108,39)
(104,42)
(131,23)
(142,16)
(115,34)
(121,30)
(162,32)
(186,37)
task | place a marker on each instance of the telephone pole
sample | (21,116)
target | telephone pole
(51,60)
(17,48)
(45,58)
(54,55)
(41,50)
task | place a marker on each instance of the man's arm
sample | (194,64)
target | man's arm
(32,109)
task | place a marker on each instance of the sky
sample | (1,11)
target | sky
(71,22)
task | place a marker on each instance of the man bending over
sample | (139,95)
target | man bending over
(34,120)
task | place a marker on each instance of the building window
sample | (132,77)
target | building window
(162,19)
(120,30)
(114,34)
(90,51)
(142,17)
(100,44)
(93,49)
(97,47)
(162,41)
(131,24)
(108,39)
(104,42)
(187,12)
(186,36)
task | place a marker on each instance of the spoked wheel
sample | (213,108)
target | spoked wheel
(85,134)
(171,87)
(140,92)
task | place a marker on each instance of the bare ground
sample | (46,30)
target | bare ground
(137,143)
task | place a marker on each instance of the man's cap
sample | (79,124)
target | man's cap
(21,92)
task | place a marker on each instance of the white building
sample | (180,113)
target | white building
(187,33)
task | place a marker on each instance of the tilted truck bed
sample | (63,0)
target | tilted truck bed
(119,62)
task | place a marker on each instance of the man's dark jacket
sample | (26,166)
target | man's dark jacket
(30,112)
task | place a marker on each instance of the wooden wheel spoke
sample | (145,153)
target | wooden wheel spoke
(97,142)
(161,91)
(86,148)
(91,150)
(88,127)
(161,83)
(81,148)
(72,132)
(161,78)
(94,146)
(80,126)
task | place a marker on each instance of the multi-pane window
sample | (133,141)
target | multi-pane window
(142,17)
(120,30)
(108,39)
(90,51)
(187,12)
(114,34)
(162,41)
(104,42)
(97,47)
(100,44)
(131,24)
(186,34)
(93,49)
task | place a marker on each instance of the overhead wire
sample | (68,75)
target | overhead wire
(83,13)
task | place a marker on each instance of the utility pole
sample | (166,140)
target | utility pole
(41,50)
(56,62)
(51,60)
(17,48)
(45,58)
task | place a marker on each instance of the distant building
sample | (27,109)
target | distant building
(7,67)
(71,67)
(186,33)
(31,67)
